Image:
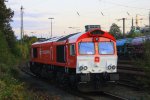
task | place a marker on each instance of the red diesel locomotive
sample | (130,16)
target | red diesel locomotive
(80,58)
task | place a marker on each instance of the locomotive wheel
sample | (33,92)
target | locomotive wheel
(32,68)
(36,69)
(44,72)
(62,80)
(65,81)
(58,78)
(73,81)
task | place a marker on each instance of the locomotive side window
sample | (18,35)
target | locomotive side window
(106,48)
(86,48)
(35,53)
(60,51)
(72,50)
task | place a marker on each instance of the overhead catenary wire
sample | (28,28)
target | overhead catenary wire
(78,13)
(102,13)
(123,5)
(126,6)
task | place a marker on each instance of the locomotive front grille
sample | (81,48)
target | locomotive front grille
(87,64)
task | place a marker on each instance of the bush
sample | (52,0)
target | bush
(10,87)
(145,64)
(14,91)
(132,35)
(5,55)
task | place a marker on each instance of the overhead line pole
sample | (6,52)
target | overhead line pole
(132,22)
(51,26)
(21,29)
(149,21)
(123,27)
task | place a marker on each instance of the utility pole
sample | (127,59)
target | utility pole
(149,21)
(132,22)
(132,26)
(123,25)
(136,20)
(21,28)
(51,25)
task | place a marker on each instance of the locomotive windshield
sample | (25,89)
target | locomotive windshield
(86,48)
(106,48)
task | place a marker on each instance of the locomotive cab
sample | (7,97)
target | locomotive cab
(97,57)
(96,54)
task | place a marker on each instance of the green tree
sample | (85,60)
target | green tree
(25,47)
(5,56)
(115,31)
(6,15)
(132,35)
(134,32)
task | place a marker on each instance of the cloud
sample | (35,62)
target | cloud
(31,23)
(35,13)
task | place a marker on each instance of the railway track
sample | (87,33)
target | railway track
(115,97)
(128,67)
(70,92)
(75,93)
(96,95)
(130,74)
(103,95)
(85,96)
(130,85)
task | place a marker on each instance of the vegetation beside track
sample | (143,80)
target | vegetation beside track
(10,87)
(11,54)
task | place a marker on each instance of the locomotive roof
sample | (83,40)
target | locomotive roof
(53,39)
(59,38)
(71,38)
(66,37)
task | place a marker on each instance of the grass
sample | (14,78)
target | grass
(10,87)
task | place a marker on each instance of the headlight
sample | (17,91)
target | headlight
(111,67)
(85,67)
(81,68)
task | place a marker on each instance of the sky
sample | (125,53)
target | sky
(76,14)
